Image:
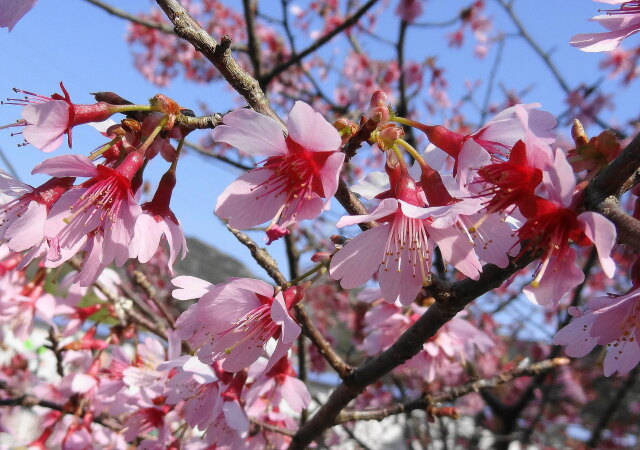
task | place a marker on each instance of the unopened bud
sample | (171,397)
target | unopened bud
(379,99)
(131,125)
(388,135)
(578,134)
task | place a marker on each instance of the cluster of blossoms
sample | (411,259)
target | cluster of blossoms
(223,376)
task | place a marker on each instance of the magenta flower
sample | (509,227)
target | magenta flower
(552,224)
(621,23)
(11,11)
(300,173)
(101,213)
(47,119)
(400,249)
(612,321)
(233,321)
(22,219)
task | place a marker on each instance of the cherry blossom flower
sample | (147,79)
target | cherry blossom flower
(277,385)
(400,249)
(409,10)
(612,321)
(551,225)
(621,23)
(233,321)
(47,119)
(22,220)
(158,220)
(497,137)
(300,173)
(11,11)
(101,212)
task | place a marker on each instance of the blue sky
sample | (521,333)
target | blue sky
(75,42)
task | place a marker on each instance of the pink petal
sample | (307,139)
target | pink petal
(146,239)
(82,383)
(560,180)
(309,129)
(457,250)
(603,235)
(289,330)
(622,358)
(48,122)
(245,204)
(236,417)
(601,42)
(67,166)
(402,282)
(575,337)
(296,394)
(189,287)
(386,207)
(252,286)
(11,11)
(360,258)
(28,230)
(252,133)
(330,173)
(560,276)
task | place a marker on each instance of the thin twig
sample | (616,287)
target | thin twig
(249,7)
(262,257)
(508,7)
(200,149)
(350,21)
(219,54)
(324,347)
(164,27)
(616,402)
(453,393)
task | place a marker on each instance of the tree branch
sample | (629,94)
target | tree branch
(449,303)
(219,55)
(452,393)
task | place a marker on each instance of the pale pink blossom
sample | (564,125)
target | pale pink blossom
(11,11)
(157,220)
(621,23)
(277,385)
(611,321)
(298,177)
(233,321)
(409,10)
(400,249)
(48,119)
(100,213)
(22,219)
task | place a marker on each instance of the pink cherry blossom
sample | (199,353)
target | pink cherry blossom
(552,223)
(612,321)
(233,321)
(158,220)
(47,119)
(496,137)
(621,23)
(409,10)
(22,220)
(300,173)
(11,11)
(400,249)
(277,385)
(100,213)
